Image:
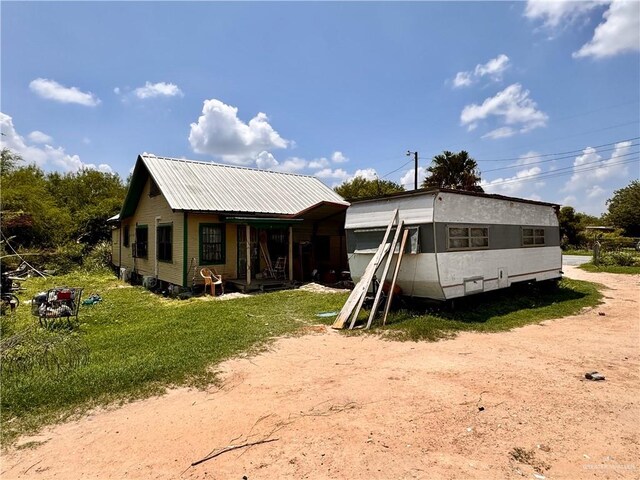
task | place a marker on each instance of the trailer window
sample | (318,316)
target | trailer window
(413,245)
(533,237)
(468,238)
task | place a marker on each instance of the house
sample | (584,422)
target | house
(460,243)
(248,224)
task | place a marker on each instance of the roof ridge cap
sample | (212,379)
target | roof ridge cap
(226,165)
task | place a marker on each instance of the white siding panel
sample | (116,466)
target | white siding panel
(417,277)
(453,208)
(413,210)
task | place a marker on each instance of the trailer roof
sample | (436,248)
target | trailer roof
(428,191)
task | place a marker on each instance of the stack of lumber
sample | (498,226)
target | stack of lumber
(353,305)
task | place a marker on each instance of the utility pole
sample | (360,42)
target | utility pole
(415,171)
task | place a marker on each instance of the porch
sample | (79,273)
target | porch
(259,285)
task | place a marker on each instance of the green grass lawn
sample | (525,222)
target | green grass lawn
(140,343)
(590,267)
(491,312)
(577,252)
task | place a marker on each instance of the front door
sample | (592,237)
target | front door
(242,251)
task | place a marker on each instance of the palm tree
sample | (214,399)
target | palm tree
(453,170)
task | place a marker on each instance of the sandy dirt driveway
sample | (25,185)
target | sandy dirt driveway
(481,406)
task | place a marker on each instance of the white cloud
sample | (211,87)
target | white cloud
(554,13)
(618,33)
(39,137)
(512,106)
(330,174)
(535,197)
(493,69)
(366,173)
(319,163)
(528,158)
(116,90)
(338,157)
(292,165)
(462,79)
(266,161)
(160,89)
(514,185)
(408,179)
(52,90)
(502,132)
(589,169)
(219,132)
(595,192)
(46,156)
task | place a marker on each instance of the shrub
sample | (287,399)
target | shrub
(99,257)
(66,258)
(621,259)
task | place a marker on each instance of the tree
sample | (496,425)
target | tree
(360,187)
(569,225)
(453,170)
(573,226)
(90,197)
(624,209)
(50,210)
(8,161)
(29,211)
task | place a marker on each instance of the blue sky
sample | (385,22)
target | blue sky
(545,95)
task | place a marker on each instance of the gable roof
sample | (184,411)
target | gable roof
(211,187)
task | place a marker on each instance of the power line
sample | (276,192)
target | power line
(555,139)
(588,112)
(580,150)
(561,172)
(555,159)
(557,156)
(399,168)
(596,163)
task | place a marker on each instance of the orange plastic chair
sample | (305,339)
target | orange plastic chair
(211,279)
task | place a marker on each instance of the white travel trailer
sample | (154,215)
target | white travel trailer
(460,243)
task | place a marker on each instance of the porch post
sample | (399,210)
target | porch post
(291,254)
(248,254)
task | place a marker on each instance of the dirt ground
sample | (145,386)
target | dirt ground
(481,406)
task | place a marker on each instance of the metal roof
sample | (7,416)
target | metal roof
(204,186)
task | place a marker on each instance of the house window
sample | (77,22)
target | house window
(125,236)
(533,237)
(212,244)
(468,238)
(165,245)
(141,249)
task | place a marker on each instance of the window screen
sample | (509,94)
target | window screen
(468,238)
(533,237)
(212,244)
